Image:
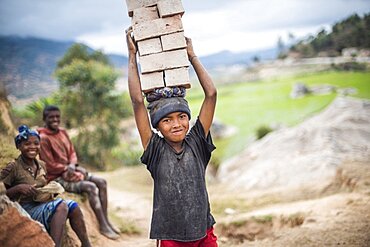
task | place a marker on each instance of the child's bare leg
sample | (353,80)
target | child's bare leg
(57,224)
(78,225)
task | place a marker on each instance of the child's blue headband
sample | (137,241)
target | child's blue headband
(24,133)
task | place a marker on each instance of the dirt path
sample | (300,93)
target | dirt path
(336,219)
(130,198)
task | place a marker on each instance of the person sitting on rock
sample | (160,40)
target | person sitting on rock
(24,180)
(58,152)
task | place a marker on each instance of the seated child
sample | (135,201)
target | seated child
(24,176)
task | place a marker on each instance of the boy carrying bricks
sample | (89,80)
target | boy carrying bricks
(178,160)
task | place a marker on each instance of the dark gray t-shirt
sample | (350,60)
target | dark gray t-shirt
(181,208)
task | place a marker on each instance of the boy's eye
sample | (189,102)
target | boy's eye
(183,116)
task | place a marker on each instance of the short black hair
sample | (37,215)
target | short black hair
(47,109)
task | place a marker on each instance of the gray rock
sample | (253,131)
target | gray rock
(299,90)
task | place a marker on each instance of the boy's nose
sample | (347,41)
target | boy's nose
(176,123)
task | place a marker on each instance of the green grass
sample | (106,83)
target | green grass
(248,106)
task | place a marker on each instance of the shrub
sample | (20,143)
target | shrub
(350,66)
(128,154)
(262,131)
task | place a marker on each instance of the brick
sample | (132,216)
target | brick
(144,14)
(173,41)
(151,81)
(170,7)
(156,28)
(149,46)
(177,77)
(164,60)
(135,4)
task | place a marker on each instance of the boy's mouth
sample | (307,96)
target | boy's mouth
(177,132)
(55,124)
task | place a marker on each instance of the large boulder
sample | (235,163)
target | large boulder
(307,154)
(17,228)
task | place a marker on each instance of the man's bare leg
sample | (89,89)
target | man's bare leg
(92,191)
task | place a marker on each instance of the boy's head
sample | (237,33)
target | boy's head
(171,117)
(51,117)
(161,108)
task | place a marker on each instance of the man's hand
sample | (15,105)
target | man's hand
(81,170)
(71,167)
(74,176)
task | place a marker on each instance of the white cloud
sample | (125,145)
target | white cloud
(214,25)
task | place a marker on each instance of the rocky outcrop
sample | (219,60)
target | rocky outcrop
(307,154)
(6,124)
(17,228)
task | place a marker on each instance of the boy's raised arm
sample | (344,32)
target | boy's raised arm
(207,110)
(137,99)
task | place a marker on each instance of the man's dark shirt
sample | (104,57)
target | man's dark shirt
(181,208)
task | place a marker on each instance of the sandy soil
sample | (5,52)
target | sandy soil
(335,214)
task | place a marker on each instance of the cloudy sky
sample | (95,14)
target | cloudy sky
(214,25)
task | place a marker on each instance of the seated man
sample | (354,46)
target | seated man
(58,153)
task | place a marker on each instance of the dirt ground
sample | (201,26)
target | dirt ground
(335,214)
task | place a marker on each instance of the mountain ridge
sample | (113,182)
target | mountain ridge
(27,64)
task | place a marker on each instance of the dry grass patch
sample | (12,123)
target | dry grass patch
(256,227)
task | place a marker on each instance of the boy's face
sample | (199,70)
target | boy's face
(52,120)
(30,148)
(174,126)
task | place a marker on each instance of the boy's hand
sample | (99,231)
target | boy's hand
(71,167)
(72,177)
(131,46)
(189,48)
(81,170)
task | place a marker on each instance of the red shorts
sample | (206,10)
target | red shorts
(208,241)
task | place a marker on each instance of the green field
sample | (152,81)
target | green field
(248,106)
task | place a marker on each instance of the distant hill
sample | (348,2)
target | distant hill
(228,58)
(27,64)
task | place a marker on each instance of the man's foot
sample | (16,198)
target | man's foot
(109,234)
(114,228)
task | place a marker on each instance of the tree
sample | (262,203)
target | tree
(89,104)
(354,31)
(35,110)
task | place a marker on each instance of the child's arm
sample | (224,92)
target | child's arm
(137,99)
(210,93)
(20,189)
(8,176)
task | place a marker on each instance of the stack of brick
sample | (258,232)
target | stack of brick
(159,33)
